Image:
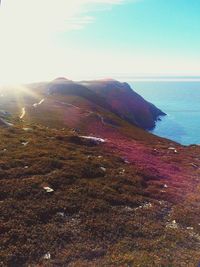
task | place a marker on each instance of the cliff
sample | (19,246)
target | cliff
(126,103)
(113,96)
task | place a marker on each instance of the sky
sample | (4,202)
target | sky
(44,39)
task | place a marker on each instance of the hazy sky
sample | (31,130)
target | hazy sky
(43,39)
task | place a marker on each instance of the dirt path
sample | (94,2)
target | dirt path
(23,113)
(39,103)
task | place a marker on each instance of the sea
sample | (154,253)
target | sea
(180,100)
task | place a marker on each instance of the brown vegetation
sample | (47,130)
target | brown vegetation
(110,216)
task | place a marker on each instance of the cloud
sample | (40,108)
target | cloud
(30,21)
(51,15)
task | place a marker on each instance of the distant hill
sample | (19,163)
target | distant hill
(111,95)
(88,106)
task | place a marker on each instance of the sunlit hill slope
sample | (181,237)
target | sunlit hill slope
(83,184)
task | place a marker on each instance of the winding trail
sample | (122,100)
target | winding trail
(23,113)
(101,118)
(39,103)
(67,104)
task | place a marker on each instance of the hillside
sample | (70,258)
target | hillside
(111,95)
(126,103)
(80,186)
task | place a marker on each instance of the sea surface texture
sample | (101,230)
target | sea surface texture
(181,102)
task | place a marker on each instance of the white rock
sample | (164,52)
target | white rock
(103,169)
(127,208)
(47,256)
(172,225)
(190,228)
(122,172)
(96,139)
(147,206)
(25,143)
(48,189)
(144,206)
(165,186)
(171,148)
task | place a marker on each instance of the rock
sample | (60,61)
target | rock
(24,143)
(48,189)
(127,208)
(172,225)
(27,129)
(144,206)
(47,256)
(126,161)
(173,148)
(190,228)
(95,139)
(103,169)
(122,171)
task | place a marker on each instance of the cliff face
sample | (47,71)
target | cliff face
(126,103)
(114,96)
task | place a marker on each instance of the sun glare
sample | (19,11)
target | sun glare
(27,32)
(36,44)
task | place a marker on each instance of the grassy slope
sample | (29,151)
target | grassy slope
(93,218)
(123,216)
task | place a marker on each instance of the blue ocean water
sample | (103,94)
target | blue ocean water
(181,102)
